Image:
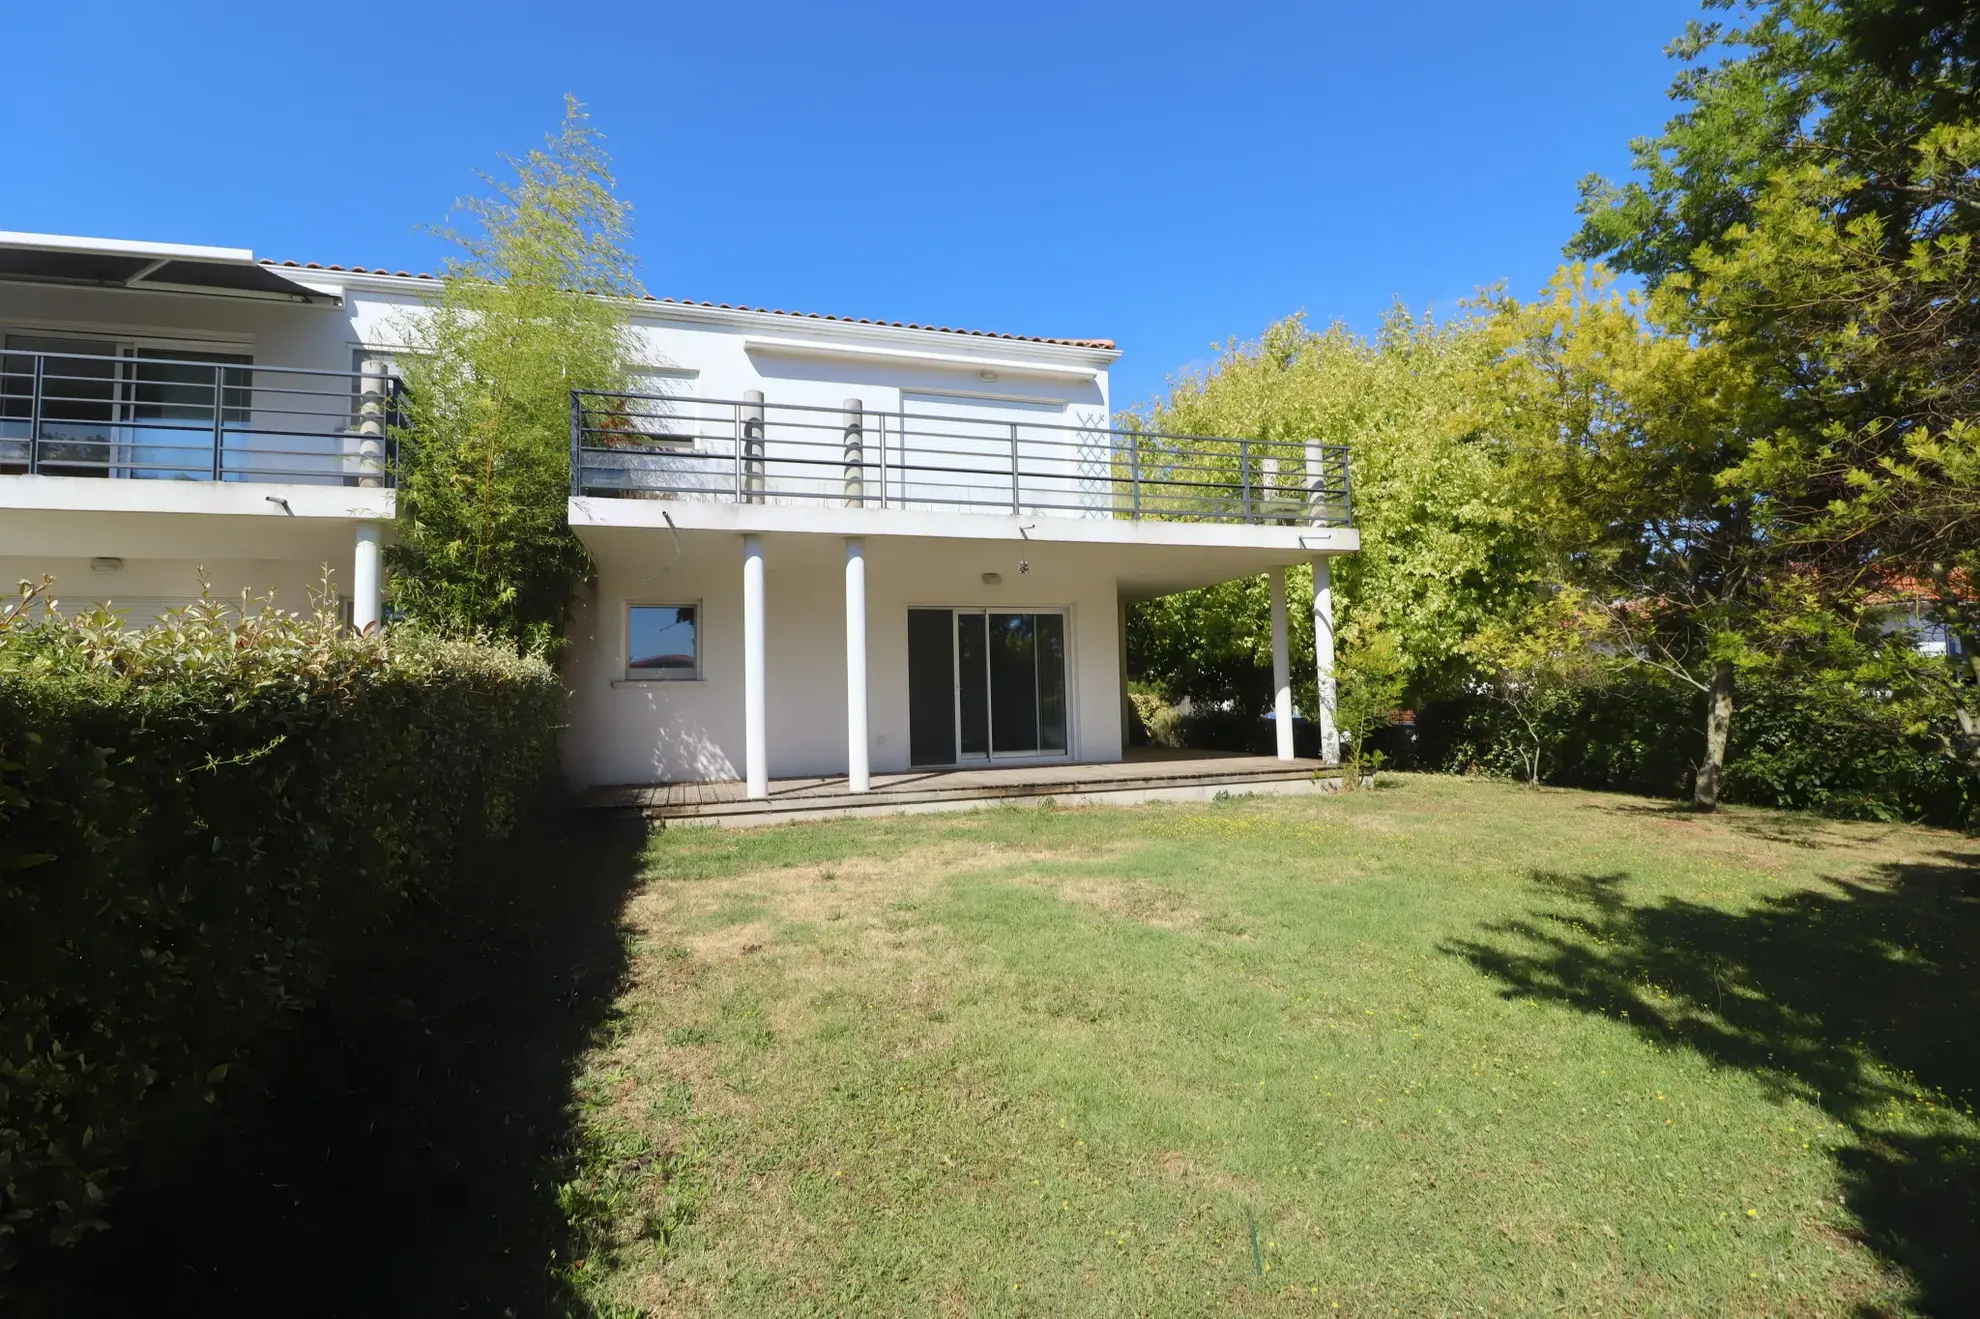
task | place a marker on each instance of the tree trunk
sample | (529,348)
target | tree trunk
(1718,724)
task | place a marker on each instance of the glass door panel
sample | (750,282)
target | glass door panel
(1051,682)
(173,405)
(1006,694)
(931,687)
(972,686)
(1014,684)
(79,401)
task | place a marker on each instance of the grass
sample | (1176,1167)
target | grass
(1443,1048)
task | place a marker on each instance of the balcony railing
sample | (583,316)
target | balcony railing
(215,418)
(654,446)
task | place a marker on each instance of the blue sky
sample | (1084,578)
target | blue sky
(1163,175)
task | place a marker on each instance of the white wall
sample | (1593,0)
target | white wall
(144,588)
(639,732)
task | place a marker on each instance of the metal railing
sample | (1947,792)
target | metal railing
(656,446)
(209,418)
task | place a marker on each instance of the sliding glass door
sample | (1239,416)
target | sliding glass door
(107,408)
(985,684)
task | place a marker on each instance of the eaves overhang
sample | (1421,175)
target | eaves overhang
(181,268)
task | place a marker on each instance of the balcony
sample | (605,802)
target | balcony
(654,446)
(206,417)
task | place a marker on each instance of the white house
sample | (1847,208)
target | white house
(825,546)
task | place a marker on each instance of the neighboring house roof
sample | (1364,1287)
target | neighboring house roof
(1896,589)
(1107,344)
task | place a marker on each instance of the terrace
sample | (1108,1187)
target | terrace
(748,451)
(173,416)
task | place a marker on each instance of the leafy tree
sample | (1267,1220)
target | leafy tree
(1626,438)
(532,308)
(1443,552)
(1812,210)
(1532,664)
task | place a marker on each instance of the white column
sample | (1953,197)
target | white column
(365,592)
(858,777)
(1323,655)
(1282,705)
(374,388)
(756,740)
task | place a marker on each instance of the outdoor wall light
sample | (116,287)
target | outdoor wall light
(993,579)
(106,564)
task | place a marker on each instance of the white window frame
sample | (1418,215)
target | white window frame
(626,671)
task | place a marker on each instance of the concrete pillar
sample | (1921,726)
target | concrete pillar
(1282,702)
(853,451)
(365,582)
(1323,656)
(756,737)
(374,395)
(858,776)
(749,476)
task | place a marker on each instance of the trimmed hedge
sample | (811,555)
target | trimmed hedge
(194,819)
(1827,747)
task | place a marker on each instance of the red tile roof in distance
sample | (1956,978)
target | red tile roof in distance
(1107,344)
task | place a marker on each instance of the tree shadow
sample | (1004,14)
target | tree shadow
(1862,997)
(398,1151)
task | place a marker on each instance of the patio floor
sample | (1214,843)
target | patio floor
(1148,774)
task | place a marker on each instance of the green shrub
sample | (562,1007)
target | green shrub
(194,819)
(1817,745)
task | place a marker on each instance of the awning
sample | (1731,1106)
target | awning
(166,267)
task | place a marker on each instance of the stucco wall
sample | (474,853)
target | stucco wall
(635,732)
(143,588)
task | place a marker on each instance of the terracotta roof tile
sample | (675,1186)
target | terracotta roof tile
(1107,344)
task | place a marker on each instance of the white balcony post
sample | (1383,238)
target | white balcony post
(852,422)
(858,775)
(756,740)
(1282,702)
(374,385)
(365,589)
(1323,655)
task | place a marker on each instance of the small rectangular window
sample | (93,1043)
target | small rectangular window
(663,641)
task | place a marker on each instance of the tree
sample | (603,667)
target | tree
(1812,210)
(1443,552)
(531,308)
(1530,665)
(1627,440)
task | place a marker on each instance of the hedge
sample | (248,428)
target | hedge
(1828,747)
(194,819)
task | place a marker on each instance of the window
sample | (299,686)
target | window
(659,409)
(112,408)
(663,642)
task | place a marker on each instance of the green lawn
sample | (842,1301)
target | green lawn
(1446,1047)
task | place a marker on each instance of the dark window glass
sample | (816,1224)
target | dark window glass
(931,687)
(1051,682)
(1013,683)
(661,642)
(173,402)
(973,696)
(78,402)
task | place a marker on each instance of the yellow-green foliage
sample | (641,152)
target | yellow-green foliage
(484,544)
(1443,552)
(194,819)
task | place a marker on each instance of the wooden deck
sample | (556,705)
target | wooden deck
(1147,775)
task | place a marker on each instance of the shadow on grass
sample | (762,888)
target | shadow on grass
(399,1151)
(1859,997)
